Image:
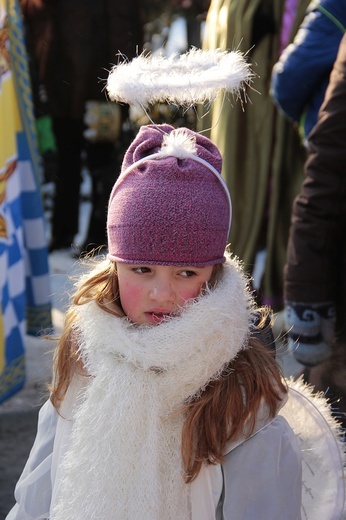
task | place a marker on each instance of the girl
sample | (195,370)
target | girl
(165,402)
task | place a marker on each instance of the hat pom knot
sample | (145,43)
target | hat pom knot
(178,143)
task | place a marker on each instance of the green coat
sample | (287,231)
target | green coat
(263,156)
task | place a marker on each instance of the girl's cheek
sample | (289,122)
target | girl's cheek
(129,296)
(191,293)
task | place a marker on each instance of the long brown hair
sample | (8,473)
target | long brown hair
(225,410)
(228,407)
(101,286)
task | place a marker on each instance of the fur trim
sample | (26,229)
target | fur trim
(187,79)
(319,435)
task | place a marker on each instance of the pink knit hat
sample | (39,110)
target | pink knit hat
(170,205)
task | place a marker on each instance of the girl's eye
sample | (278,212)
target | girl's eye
(188,273)
(141,270)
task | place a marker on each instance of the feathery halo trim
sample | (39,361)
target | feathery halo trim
(191,78)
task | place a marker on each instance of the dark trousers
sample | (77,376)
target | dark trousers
(103,160)
(69,140)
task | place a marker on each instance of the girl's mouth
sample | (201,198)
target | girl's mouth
(157,317)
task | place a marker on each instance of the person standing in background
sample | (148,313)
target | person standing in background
(75,41)
(263,158)
(314,275)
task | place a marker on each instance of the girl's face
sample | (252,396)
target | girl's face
(150,293)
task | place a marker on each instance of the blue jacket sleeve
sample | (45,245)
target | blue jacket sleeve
(300,77)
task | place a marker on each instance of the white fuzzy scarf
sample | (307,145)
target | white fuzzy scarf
(125,460)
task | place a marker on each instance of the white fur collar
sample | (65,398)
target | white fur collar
(125,457)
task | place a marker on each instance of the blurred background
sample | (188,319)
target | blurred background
(62,144)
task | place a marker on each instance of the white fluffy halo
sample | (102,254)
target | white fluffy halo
(192,78)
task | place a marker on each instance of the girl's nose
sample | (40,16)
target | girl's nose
(162,291)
